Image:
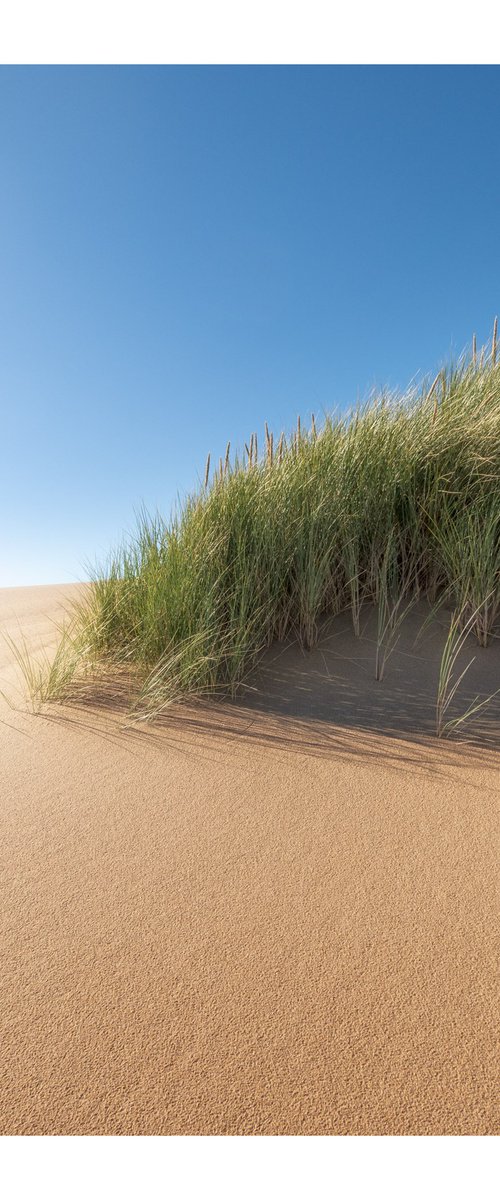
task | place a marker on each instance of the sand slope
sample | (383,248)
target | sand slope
(248,921)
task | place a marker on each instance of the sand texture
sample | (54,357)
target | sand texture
(276,917)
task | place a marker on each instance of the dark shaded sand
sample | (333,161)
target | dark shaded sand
(276,917)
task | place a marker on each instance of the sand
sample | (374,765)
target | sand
(274,918)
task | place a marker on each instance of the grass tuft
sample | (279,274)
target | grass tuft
(398,500)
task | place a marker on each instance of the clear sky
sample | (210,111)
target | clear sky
(187,252)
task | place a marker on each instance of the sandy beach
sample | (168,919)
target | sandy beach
(275,917)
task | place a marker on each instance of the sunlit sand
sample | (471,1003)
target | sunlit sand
(278,916)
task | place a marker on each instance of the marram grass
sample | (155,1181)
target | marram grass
(396,501)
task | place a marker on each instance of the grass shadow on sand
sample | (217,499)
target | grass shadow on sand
(323,702)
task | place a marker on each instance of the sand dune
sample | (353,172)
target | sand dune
(279,917)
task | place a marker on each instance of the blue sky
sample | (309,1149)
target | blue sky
(188,252)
